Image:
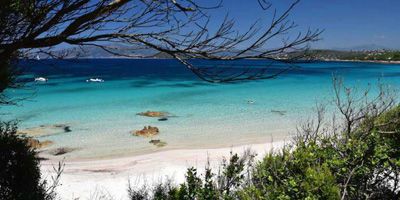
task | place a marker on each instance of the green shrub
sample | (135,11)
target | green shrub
(296,174)
(19,167)
(20,176)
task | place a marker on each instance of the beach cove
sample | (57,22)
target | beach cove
(154,118)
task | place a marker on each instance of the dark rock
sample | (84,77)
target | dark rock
(61,151)
(158,143)
(154,141)
(163,119)
(280,112)
(67,129)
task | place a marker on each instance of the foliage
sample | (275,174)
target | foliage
(366,165)
(19,168)
(294,175)
(225,185)
(386,56)
(357,158)
(20,176)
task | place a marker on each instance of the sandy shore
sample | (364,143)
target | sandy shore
(91,179)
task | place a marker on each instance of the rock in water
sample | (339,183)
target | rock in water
(35,143)
(158,143)
(280,112)
(147,131)
(45,130)
(67,129)
(61,151)
(153,114)
(163,119)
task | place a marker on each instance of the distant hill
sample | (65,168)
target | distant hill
(161,55)
(97,52)
(366,47)
(357,53)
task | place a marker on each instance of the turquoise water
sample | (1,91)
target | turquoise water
(101,115)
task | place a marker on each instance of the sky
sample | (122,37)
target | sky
(346,23)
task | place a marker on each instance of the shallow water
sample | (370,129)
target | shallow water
(101,115)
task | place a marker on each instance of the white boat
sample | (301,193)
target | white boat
(37,57)
(99,80)
(41,79)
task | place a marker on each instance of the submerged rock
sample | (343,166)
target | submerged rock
(153,114)
(162,119)
(147,131)
(158,143)
(35,143)
(61,151)
(67,129)
(280,112)
(45,130)
(57,125)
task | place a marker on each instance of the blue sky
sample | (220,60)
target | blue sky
(347,23)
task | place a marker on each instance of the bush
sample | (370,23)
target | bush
(20,177)
(294,175)
(365,165)
(357,158)
(227,184)
(19,167)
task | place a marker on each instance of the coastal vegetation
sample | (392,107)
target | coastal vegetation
(379,56)
(20,175)
(367,55)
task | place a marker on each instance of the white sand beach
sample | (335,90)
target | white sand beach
(110,177)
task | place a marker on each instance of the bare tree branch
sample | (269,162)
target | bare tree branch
(178,28)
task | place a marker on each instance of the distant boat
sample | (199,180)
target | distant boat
(99,80)
(41,79)
(37,57)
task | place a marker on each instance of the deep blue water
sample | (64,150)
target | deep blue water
(207,115)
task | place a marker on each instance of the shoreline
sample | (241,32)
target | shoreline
(270,138)
(85,179)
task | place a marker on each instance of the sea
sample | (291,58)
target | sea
(101,116)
